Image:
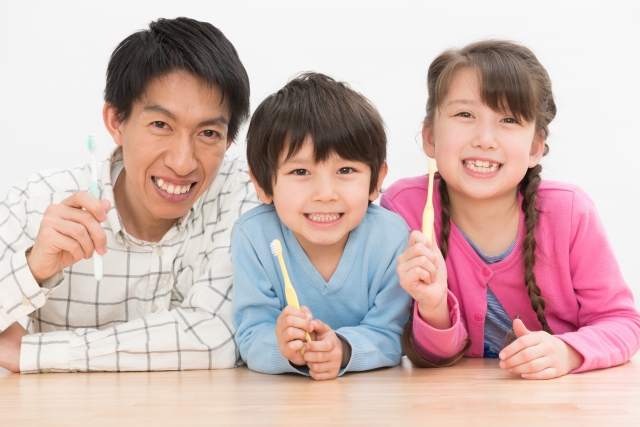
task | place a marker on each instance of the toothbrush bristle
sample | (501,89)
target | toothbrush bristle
(92,145)
(276,247)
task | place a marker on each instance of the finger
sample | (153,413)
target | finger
(545,374)
(106,205)
(57,213)
(312,354)
(305,310)
(531,366)
(290,310)
(320,328)
(84,200)
(519,344)
(292,322)
(76,232)
(416,236)
(417,268)
(322,376)
(524,356)
(322,367)
(519,328)
(417,250)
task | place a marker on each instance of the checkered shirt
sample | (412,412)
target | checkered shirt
(160,306)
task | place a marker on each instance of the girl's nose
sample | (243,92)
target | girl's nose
(485,136)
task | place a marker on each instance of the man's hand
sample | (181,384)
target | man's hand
(538,355)
(324,356)
(10,343)
(291,326)
(68,234)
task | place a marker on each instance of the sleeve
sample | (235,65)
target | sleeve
(196,335)
(256,308)
(20,294)
(439,344)
(375,342)
(609,332)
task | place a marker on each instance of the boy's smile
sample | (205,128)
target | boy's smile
(173,144)
(321,202)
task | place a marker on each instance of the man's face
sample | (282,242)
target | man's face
(173,144)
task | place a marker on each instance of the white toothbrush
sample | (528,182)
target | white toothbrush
(92,145)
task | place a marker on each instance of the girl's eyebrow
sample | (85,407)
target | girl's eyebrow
(461,101)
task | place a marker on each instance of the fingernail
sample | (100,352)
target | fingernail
(510,370)
(517,317)
(103,216)
(103,249)
(525,375)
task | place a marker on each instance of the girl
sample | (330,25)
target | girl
(516,247)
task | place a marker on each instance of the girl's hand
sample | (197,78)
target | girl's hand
(290,330)
(423,274)
(324,356)
(538,355)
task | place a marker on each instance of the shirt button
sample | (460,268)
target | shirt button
(477,317)
(486,271)
(159,252)
(154,308)
(26,302)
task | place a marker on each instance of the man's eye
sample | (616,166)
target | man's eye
(210,133)
(346,170)
(159,124)
(299,172)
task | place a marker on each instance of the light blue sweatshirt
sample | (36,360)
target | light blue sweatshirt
(363,301)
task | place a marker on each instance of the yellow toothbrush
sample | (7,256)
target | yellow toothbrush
(290,293)
(427,215)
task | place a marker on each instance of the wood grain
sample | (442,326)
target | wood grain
(474,392)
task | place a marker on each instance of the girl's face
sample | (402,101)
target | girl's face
(481,153)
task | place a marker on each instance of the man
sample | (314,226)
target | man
(175,96)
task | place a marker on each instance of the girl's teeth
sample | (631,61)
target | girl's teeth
(481,166)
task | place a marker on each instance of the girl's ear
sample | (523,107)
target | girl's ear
(261,194)
(537,149)
(112,123)
(381,175)
(428,141)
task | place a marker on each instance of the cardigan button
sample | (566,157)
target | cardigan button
(477,317)
(486,272)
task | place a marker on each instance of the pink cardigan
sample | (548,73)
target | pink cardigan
(589,305)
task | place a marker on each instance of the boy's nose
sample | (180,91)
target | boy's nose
(324,189)
(181,155)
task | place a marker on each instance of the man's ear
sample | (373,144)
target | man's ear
(381,176)
(537,149)
(428,141)
(112,123)
(261,194)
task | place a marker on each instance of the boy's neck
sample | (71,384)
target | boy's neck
(324,258)
(135,218)
(492,224)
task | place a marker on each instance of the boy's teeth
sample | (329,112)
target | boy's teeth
(324,218)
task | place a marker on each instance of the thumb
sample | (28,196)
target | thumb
(519,329)
(320,328)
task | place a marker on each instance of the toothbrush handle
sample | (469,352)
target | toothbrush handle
(98,266)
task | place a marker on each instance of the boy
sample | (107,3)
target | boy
(175,96)
(316,152)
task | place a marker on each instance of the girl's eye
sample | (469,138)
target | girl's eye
(464,114)
(299,172)
(346,170)
(510,120)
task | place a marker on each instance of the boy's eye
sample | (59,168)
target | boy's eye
(346,170)
(299,172)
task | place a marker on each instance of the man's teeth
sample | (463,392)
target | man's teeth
(323,217)
(481,166)
(172,188)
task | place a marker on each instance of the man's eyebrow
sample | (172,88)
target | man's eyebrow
(155,108)
(220,120)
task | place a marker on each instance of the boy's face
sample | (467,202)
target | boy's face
(173,144)
(321,202)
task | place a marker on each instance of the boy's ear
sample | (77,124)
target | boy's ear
(112,123)
(261,194)
(381,175)
(537,149)
(428,141)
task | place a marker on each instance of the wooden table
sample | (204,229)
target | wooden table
(474,392)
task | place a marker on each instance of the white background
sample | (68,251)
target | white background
(53,57)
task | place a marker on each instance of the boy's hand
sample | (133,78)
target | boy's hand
(324,356)
(423,274)
(68,234)
(290,330)
(538,355)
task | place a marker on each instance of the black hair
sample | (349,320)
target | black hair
(338,119)
(171,45)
